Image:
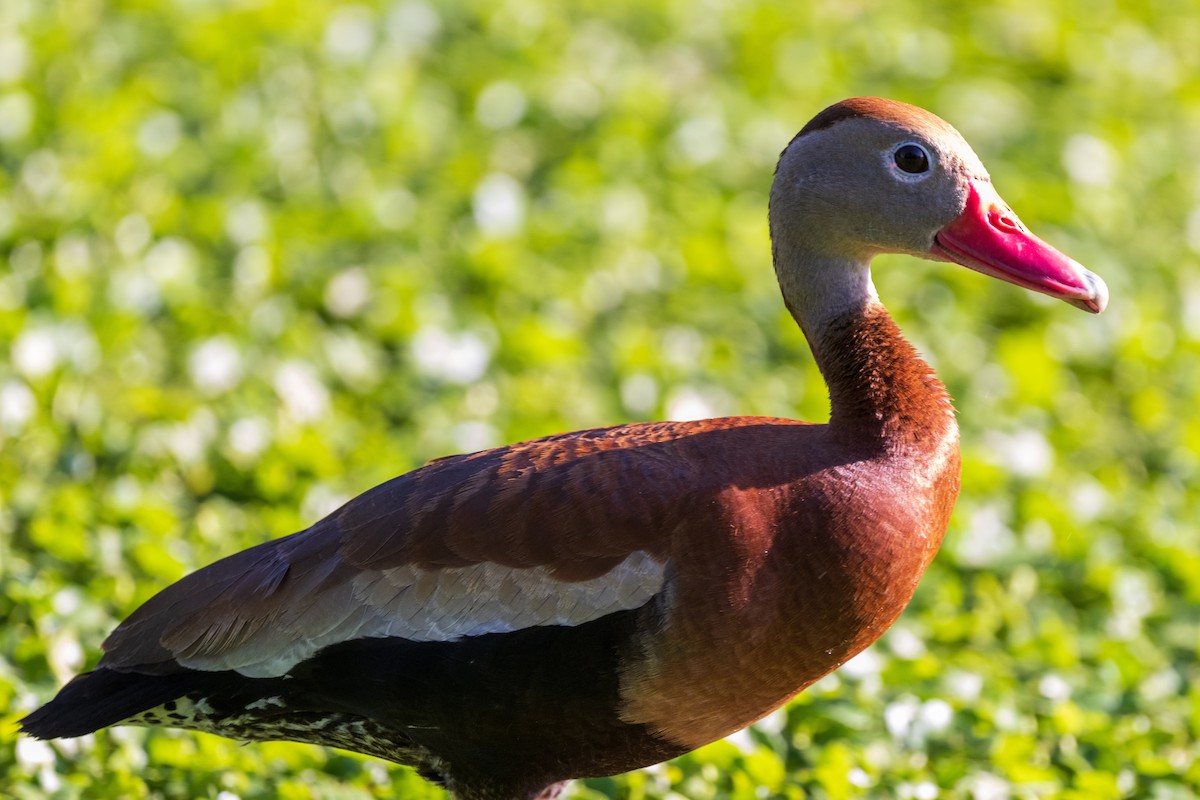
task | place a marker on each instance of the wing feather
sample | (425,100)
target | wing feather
(556,531)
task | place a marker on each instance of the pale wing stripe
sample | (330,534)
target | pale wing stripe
(437,605)
(487,598)
(277,648)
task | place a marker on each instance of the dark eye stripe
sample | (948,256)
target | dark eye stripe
(912,158)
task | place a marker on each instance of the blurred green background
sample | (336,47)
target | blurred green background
(260,255)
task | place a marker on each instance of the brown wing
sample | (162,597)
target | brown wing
(558,530)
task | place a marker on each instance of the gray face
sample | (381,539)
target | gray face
(868,176)
(863,186)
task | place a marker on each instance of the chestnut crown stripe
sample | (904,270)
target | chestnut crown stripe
(878,110)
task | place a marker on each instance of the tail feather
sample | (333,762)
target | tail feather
(103,697)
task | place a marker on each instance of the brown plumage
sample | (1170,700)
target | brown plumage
(593,602)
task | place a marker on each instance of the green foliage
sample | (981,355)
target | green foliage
(260,255)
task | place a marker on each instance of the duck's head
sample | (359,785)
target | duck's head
(869,176)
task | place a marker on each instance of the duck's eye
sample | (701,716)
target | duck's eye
(912,158)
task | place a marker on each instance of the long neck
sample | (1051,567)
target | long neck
(880,389)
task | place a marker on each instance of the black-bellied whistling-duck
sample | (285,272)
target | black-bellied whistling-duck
(594,602)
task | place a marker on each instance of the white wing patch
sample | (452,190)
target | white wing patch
(437,606)
(485,598)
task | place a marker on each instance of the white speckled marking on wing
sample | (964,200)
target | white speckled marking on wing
(361,734)
(437,605)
